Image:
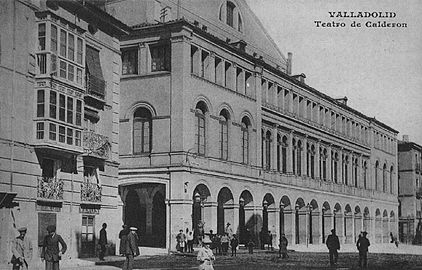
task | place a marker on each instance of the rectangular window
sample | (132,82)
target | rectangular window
(63,43)
(78,120)
(71,47)
(230,12)
(40,131)
(160,58)
(63,69)
(79,51)
(77,138)
(62,134)
(41,36)
(53,104)
(79,76)
(52,132)
(40,103)
(70,110)
(53,65)
(130,61)
(69,137)
(53,40)
(200,134)
(70,72)
(62,108)
(204,64)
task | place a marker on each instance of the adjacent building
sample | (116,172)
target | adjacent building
(60,83)
(410,191)
(215,129)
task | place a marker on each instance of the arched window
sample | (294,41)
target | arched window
(308,165)
(142,131)
(376,175)
(224,134)
(200,128)
(284,155)
(384,178)
(299,158)
(268,150)
(391,180)
(230,13)
(335,167)
(312,160)
(365,175)
(355,171)
(245,140)
(239,23)
(324,165)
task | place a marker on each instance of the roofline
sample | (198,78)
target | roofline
(258,62)
(86,10)
(408,145)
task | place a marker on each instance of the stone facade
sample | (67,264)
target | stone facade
(410,177)
(60,74)
(214,128)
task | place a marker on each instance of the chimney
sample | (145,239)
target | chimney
(406,138)
(289,63)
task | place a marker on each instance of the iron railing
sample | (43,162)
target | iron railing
(91,192)
(50,188)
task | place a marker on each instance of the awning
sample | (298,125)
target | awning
(93,62)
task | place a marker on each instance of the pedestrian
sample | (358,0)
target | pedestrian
(205,257)
(225,243)
(394,240)
(103,241)
(228,230)
(333,244)
(189,237)
(21,250)
(362,245)
(262,236)
(123,238)
(50,249)
(180,238)
(251,244)
(282,251)
(270,241)
(234,243)
(131,248)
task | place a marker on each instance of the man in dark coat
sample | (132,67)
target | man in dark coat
(333,244)
(50,249)
(123,237)
(131,250)
(103,241)
(283,247)
(362,245)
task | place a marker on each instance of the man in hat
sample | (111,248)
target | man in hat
(131,250)
(123,238)
(50,249)
(333,244)
(362,245)
(22,250)
(228,230)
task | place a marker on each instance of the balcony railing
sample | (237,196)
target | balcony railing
(50,188)
(90,192)
(95,86)
(96,145)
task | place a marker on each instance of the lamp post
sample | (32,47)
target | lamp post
(242,220)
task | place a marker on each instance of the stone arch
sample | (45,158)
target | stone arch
(225,209)
(357,222)
(247,219)
(385,227)
(249,116)
(338,220)
(201,210)
(269,219)
(204,100)
(138,104)
(327,217)
(378,226)
(348,224)
(314,226)
(225,106)
(300,221)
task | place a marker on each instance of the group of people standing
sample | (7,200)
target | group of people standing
(184,241)
(333,245)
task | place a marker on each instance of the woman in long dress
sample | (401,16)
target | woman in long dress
(205,257)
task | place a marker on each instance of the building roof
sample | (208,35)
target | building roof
(404,146)
(147,27)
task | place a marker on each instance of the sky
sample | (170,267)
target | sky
(378,69)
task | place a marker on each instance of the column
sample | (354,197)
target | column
(274,223)
(321,226)
(338,217)
(274,153)
(350,227)
(357,226)
(315,216)
(142,64)
(209,212)
(249,222)
(289,225)
(304,155)
(329,160)
(211,69)
(317,159)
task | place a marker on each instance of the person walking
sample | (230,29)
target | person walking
(21,250)
(225,243)
(50,249)
(333,244)
(131,249)
(123,238)
(234,243)
(362,245)
(103,241)
(282,251)
(205,257)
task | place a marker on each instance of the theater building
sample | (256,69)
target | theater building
(410,191)
(60,75)
(215,128)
